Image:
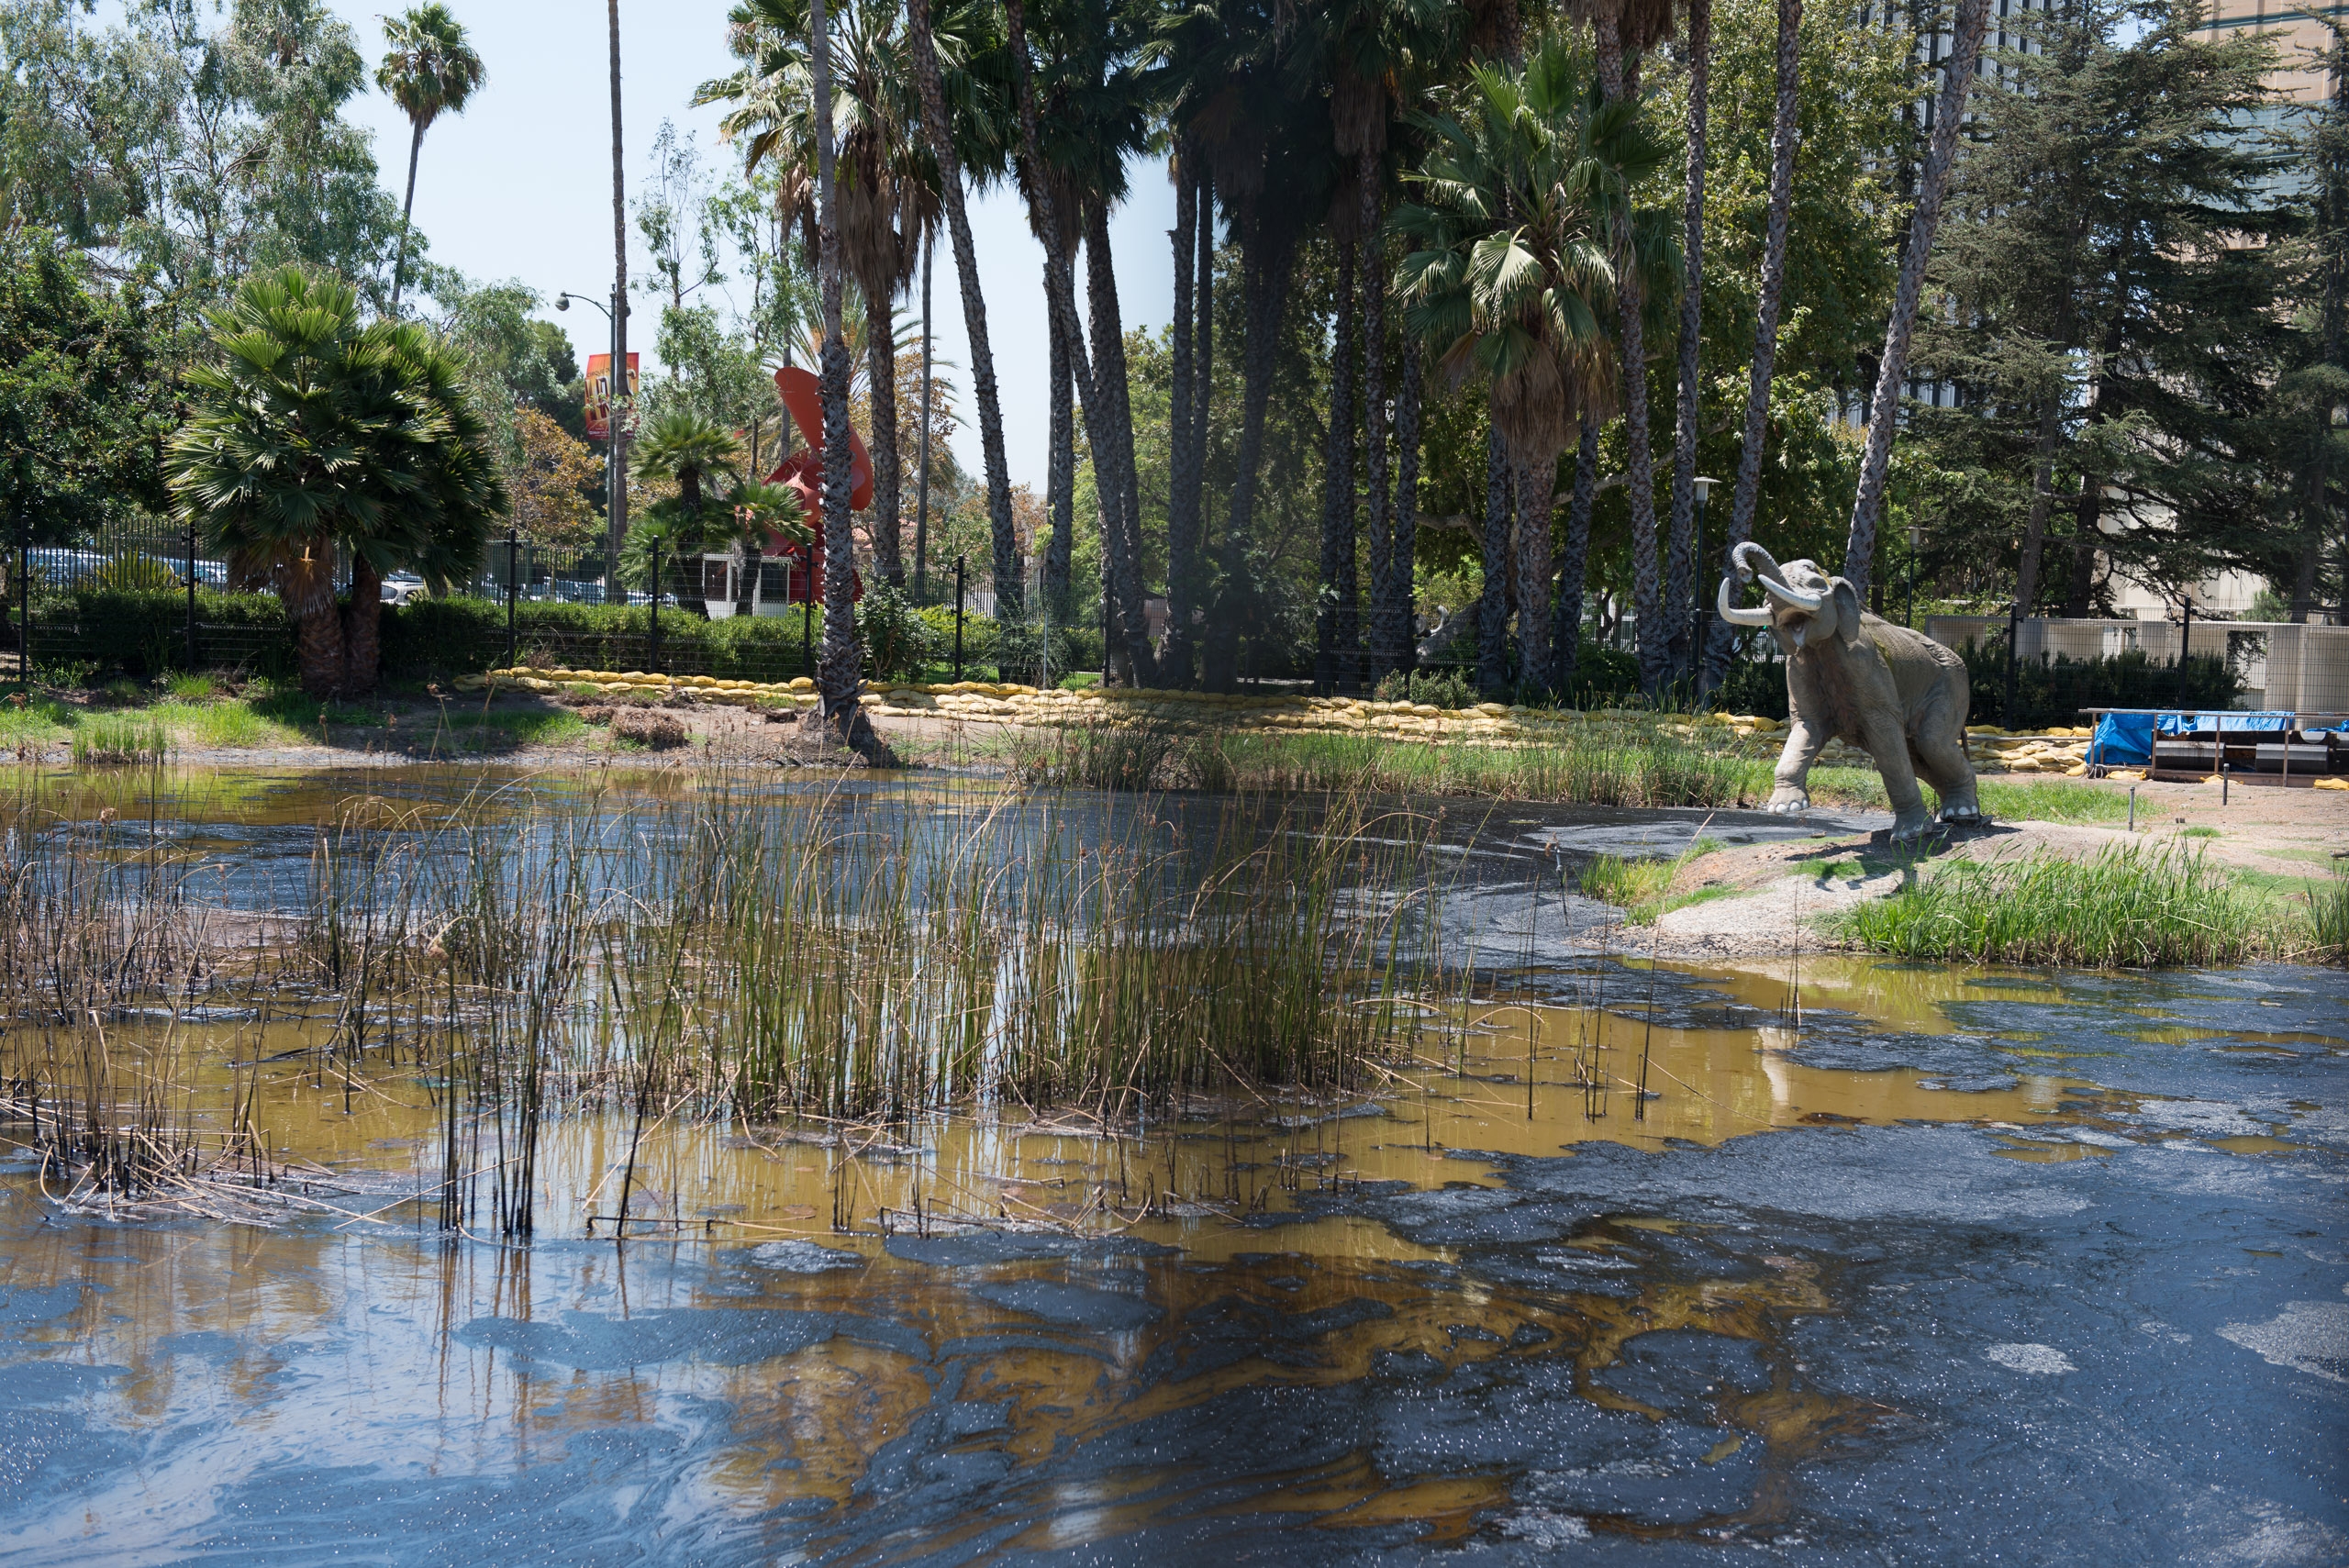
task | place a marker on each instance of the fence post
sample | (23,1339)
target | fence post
(958,617)
(23,601)
(513,570)
(807,621)
(2184,642)
(659,552)
(191,594)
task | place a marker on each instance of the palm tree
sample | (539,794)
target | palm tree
(715,505)
(1617,26)
(1527,183)
(1679,576)
(1382,52)
(1095,395)
(839,680)
(939,129)
(889,201)
(431,71)
(1892,367)
(1232,83)
(310,433)
(1722,634)
(1193,371)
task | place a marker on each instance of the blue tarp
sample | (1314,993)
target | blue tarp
(2123,739)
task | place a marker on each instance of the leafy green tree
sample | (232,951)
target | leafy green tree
(431,71)
(2115,337)
(85,394)
(311,433)
(189,151)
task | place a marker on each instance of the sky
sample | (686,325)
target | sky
(519,186)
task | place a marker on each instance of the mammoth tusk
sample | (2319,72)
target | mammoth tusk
(1794,596)
(1735,617)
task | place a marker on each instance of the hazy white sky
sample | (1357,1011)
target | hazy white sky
(520,185)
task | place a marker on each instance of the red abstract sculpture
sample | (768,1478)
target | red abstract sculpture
(804,472)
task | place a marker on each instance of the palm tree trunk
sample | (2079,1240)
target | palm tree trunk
(921,494)
(306,586)
(1182,490)
(938,128)
(1381,641)
(839,674)
(408,208)
(1536,487)
(1640,472)
(1109,372)
(885,521)
(1492,609)
(1892,368)
(1720,636)
(1270,257)
(1403,651)
(1059,480)
(1060,291)
(1565,629)
(1337,484)
(362,620)
(1680,583)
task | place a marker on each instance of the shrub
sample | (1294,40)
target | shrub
(900,642)
(1436,688)
(430,638)
(144,631)
(2053,691)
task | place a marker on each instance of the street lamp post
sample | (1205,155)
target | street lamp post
(615,472)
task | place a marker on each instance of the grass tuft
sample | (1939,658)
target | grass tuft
(1642,887)
(118,740)
(2129,905)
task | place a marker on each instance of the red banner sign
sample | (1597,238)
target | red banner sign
(599,394)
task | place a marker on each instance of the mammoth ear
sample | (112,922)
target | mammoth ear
(1847,608)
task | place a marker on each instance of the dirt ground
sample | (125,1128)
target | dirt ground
(1778,892)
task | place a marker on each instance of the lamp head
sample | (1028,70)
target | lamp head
(562,302)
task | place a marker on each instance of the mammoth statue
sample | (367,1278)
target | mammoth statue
(1894,693)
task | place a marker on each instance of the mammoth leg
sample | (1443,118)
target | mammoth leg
(1941,757)
(1804,742)
(1889,746)
(1938,743)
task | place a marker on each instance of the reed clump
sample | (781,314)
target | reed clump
(2129,905)
(699,950)
(1633,769)
(108,740)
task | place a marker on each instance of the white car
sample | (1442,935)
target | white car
(401,587)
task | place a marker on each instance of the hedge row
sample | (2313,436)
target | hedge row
(145,633)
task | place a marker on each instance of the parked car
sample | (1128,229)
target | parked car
(399,587)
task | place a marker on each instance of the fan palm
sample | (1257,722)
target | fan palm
(1512,271)
(714,508)
(310,433)
(431,71)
